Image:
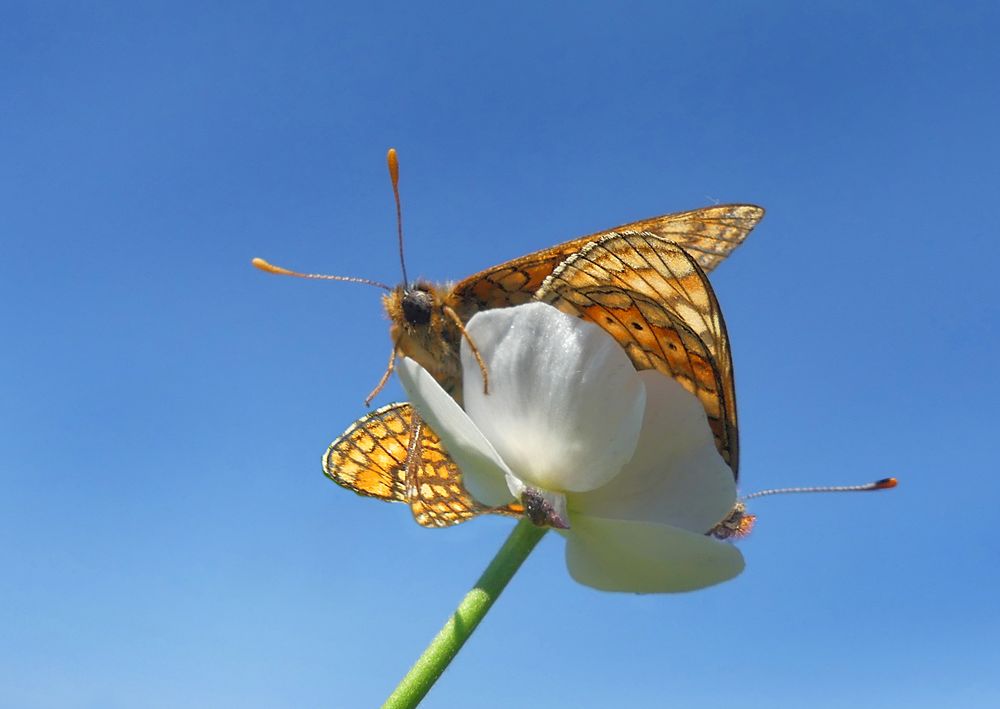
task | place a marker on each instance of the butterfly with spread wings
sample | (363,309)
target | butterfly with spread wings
(650,293)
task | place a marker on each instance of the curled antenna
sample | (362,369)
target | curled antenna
(883,484)
(394,176)
(278,270)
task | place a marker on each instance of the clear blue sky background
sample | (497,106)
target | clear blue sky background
(167,536)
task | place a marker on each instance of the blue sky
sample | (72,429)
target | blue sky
(168,537)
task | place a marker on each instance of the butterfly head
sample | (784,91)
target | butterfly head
(421,331)
(417,304)
(413,308)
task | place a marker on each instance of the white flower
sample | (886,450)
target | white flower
(624,460)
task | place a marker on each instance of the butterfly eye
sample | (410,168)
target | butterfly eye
(417,306)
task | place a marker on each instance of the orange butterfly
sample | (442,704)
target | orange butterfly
(643,282)
(648,293)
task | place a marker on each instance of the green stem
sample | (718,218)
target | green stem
(463,621)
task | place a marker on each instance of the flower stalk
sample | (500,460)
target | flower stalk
(473,608)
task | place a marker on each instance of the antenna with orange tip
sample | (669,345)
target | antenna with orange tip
(883,484)
(278,270)
(739,523)
(394,176)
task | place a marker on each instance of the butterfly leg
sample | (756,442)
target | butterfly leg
(413,454)
(472,346)
(385,378)
(424,515)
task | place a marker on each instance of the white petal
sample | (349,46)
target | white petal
(565,404)
(615,555)
(483,470)
(676,476)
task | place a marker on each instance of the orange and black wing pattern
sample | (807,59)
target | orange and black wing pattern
(656,301)
(709,234)
(392,455)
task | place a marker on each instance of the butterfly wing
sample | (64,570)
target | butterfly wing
(656,301)
(392,455)
(709,234)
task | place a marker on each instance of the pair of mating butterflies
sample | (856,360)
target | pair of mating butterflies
(644,283)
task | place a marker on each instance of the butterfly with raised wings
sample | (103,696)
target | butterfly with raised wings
(644,283)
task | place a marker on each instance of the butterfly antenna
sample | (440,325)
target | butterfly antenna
(394,176)
(883,484)
(278,270)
